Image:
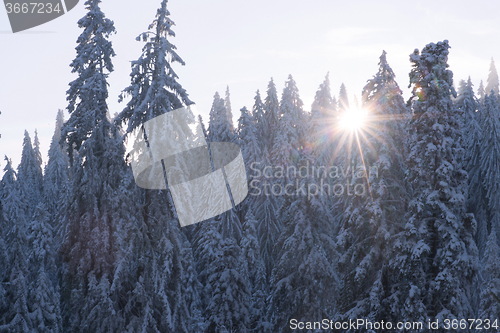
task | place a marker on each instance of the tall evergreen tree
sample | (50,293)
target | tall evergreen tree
(154,88)
(16,317)
(45,311)
(323,118)
(304,272)
(489,162)
(490,291)
(481,91)
(272,114)
(290,138)
(493,81)
(229,109)
(372,219)
(469,106)
(343,98)
(435,256)
(219,128)
(30,176)
(248,138)
(163,252)
(90,247)
(56,179)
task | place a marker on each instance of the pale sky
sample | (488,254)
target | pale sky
(242,44)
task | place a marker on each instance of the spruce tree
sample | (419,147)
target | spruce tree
(161,249)
(44,298)
(490,291)
(90,247)
(229,109)
(304,272)
(56,180)
(435,255)
(30,176)
(493,81)
(323,119)
(272,115)
(489,162)
(219,128)
(372,219)
(16,317)
(154,88)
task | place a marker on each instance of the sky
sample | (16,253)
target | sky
(242,44)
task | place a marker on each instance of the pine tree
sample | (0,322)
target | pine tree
(90,248)
(371,220)
(229,109)
(490,291)
(271,115)
(493,81)
(469,106)
(481,92)
(56,179)
(164,262)
(435,255)
(219,128)
(290,139)
(248,139)
(304,273)
(323,118)
(489,162)
(292,105)
(154,88)
(343,98)
(259,115)
(229,296)
(16,318)
(30,176)
(255,266)
(44,295)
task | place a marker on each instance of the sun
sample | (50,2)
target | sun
(353,119)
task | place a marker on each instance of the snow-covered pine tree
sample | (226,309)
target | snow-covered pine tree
(56,180)
(256,270)
(248,139)
(323,119)
(490,291)
(226,297)
(290,137)
(229,109)
(90,247)
(154,88)
(481,92)
(304,272)
(30,176)
(371,220)
(435,256)
(16,317)
(259,115)
(493,82)
(219,128)
(292,105)
(229,303)
(162,250)
(271,115)
(343,102)
(489,161)
(469,108)
(44,298)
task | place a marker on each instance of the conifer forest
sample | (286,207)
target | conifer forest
(377,214)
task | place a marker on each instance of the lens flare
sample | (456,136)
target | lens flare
(353,119)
